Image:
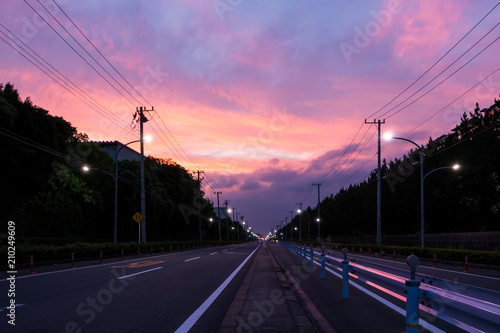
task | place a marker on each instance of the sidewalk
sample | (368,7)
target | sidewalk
(265,301)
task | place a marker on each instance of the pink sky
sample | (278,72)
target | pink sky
(263,96)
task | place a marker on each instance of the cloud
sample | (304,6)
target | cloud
(250,185)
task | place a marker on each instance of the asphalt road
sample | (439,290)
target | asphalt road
(152,294)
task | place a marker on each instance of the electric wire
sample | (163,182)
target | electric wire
(463,54)
(88,53)
(63,86)
(85,97)
(439,60)
(95,48)
(78,53)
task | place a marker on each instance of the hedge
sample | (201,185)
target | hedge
(491,258)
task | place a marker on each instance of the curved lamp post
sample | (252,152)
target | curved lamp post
(422,178)
(454,167)
(116,189)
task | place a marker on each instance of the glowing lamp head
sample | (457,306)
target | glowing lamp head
(388,136)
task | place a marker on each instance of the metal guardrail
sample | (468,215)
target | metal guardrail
(471,308)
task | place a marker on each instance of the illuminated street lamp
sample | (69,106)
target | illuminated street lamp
(388,136)
(454,167)
(146,139)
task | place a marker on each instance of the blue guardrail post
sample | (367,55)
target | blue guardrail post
(345,275)
(412,318)
(312,257)
(323,262)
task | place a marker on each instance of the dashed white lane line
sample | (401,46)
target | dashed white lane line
(191,259)
(149,270)
(211,254)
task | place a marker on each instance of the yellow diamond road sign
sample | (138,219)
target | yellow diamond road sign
(137,217)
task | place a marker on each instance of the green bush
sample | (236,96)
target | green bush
(477,257)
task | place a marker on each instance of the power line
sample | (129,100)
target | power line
(439,60)
(57,76)
(95,48)
(78,53)
(480,52)
(63,86)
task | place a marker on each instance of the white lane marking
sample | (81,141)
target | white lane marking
(95,266)
(191,259)
(149,270)
(211,254)
(92,266)
(15,306)
(189,323)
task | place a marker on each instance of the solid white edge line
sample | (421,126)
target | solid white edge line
(149,270)
(191,259)
(186,326)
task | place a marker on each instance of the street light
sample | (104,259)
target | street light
(389,136)
(454,167)
(319,238)
(147,139)
(422,178)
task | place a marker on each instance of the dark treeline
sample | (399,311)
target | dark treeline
(48,195)
(465,200)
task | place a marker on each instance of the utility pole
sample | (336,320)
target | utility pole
(319,215)
(142,225)
(199,202)
(237,220)
(227,221)
(300,219)
(243,223)
(286,228)
(379,183)
(236,225)
(218,214)
(291,223)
